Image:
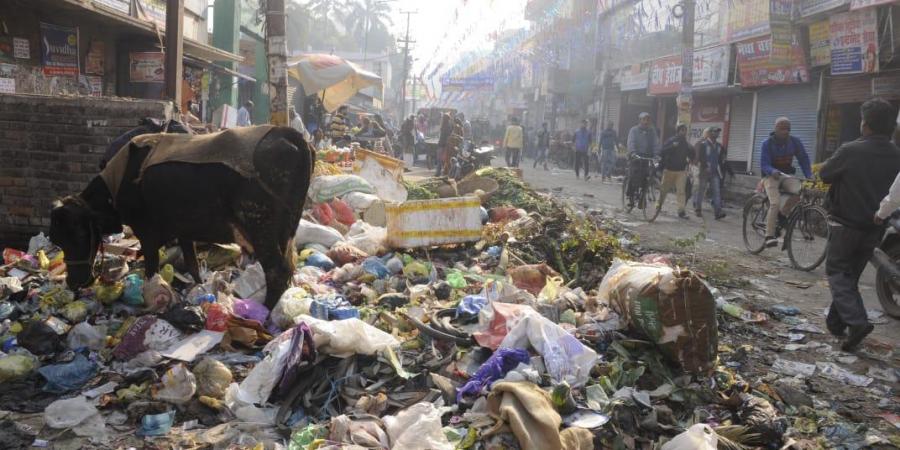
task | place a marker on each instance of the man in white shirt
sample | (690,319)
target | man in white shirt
(243,118)
(297,124)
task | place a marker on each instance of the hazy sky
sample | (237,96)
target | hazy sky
(435,17)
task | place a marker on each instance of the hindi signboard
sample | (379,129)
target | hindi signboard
(746,19)
(711,67)
(634,77)
(59,50)
(810,7)
(819,43)
(665,76)
(22,48)
(757,69)
(119,5)
(146,67)
(860,4)
(854,42)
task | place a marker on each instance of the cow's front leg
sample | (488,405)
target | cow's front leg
(150,245)
(190,258)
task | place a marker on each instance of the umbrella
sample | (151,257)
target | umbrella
(333,78)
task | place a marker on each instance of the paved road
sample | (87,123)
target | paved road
(770,274)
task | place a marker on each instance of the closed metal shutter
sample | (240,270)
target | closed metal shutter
(740,135)
(613,105)
(798,103)
(854,89)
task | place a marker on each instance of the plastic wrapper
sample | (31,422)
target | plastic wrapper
(256,388)
(346,337)
(698,437)
(302,350)
(85,335)
(109,293)
(156,424)
(294,302)
(250,310)
(359,201)
(79,415)
(345,253)
(320,260)
(75,312)
(177,386)
(342,212)
(417,428)
(374,266)
(311,233)
(495,368)
(326,188)
(531,278)
(367,238)
(13,367)
(186,318)
(39,338)
(357,433)
(673,308)
(70,376)
(213,378)
(251,284)
(132,293)
(323,213)
(565,357)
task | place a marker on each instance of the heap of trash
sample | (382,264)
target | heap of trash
(421,315)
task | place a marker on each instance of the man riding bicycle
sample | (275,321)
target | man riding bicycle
(777,164)
(643,142)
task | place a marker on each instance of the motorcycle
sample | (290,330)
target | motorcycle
(886,259)
(470,159)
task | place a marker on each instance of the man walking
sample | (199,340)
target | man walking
(776,162)
(609,140)
(860,173)
(676,154)
(543,146)
(582,145)
(710,155)
(513,141)
(643,141)
(244,114)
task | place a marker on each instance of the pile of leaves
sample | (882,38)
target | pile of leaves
(418,191)
(514,192)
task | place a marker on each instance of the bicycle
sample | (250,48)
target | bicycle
(646,194)
(806,228)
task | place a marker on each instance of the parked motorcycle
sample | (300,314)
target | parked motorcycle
(469,160)
(886,260)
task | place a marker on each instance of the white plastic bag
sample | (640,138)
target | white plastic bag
(294,302)
(346,337)
(158,295)
(367,238)
(566,358)
(177,386)
(359,201)
(698,437)
(384,178)
(79,415)
(326,188)
(38,242)
(417,428)
(256,388)
(311,233)
(251,285)
(84,334)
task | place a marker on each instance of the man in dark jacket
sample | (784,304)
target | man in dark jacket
(676,154)
(543,146)
(860,173)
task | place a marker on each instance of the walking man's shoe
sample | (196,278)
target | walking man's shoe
(771,241)
(856,335)
(683,215)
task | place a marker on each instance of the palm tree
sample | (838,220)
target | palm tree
(328,10)
(366,16)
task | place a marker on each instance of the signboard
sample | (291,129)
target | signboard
(59,50)
(711,67)
(860,4)
(756,69)
(854,42)
(665,76)
(810,7)
(707,112)
(7,78)
(22,48)
(94,61)
(154,11)
(634,77)
(146,67)
(746,19)
(466,83)
(819,43)
(782,31)
(119,5)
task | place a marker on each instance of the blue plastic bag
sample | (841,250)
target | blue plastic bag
(156,424)
(62,378)
(133,294)
(321,261)
(374,266)
(495,368)
(470,305)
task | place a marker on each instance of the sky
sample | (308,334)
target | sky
(476,21)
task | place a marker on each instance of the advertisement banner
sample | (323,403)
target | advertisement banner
(22,48)
(708,112)
(665,76)
(94,62)
(746,19)
(7,78)
(860,4)
(59,50)
(711,67)
(146,67)
(154,11)
(634,77)
(810,7)
(467,83)
(782,31)
(819,43)
(854,42)
(119,5)
(756,68)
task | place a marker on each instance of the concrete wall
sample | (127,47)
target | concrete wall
(51,147)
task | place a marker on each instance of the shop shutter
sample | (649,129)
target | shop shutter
(796,102)
(613,105)
(854,89)
(740,136)
(887,86)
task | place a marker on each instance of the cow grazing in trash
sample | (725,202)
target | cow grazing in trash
(255,198)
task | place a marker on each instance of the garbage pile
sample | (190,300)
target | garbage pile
(495,317)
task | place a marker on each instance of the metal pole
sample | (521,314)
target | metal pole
(406,41)
(174,71)
(685,98)
(366,34)
(276,51)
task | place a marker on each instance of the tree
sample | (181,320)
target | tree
(367,19)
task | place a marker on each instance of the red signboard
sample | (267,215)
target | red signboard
(665,76)
(758,69)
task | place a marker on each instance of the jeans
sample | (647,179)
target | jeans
(849,250)
(541,157)
(774,185)
(678,181)
(582,158)
(712,182)
(607,162)
(512,156)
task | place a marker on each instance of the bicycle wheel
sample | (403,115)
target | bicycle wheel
(755,223)
(648,201)
(625,194)
(807,237)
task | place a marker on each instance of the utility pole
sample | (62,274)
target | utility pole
(276,51)
(406,41)
(174,50)
(685,97)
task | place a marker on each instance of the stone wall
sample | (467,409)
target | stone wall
(51,147)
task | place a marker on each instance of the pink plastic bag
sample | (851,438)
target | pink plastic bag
(250,310)
(323,213)
(342,212)
(505,315)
